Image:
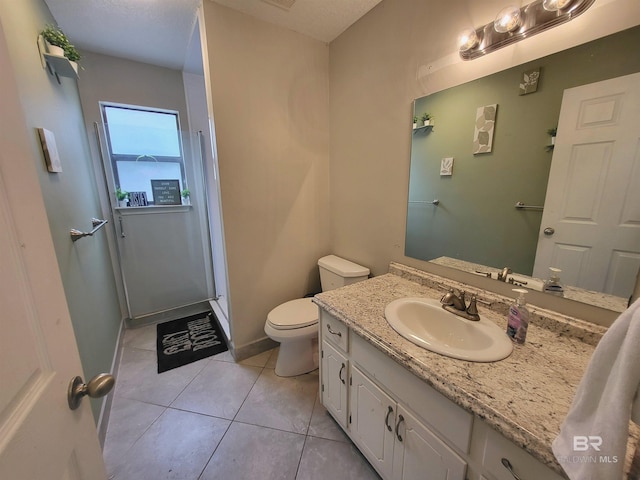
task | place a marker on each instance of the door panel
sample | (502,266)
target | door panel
(373,415)
(40,437)
(334,390)
(592,201)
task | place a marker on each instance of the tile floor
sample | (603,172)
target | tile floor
(217,419)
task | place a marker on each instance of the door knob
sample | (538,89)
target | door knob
(97,387)
(549,231)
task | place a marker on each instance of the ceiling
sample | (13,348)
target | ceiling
(159,31)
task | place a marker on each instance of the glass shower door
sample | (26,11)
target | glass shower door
(164,244)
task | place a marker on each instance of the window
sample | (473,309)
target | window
(144,144)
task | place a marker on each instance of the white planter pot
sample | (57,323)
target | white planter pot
(415,125)
(186,200)
(427,123)
(553,140)
(55,50)
(122,203)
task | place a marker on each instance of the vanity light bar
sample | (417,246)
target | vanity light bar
(534,18)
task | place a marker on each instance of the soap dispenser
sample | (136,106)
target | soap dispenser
(552,285)
(518,320)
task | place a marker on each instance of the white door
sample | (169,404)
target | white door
(591,222)
(40,437)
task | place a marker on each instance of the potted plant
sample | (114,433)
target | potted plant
(415,122)
(426,119)
(552,132)
(58,44)
(122,197)
(186,196)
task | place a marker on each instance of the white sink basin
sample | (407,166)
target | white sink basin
(424,322)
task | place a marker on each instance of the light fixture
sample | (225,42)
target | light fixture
(555,5)
(508,19)
(468,39)
(513,24)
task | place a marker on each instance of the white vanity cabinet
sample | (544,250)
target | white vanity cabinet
(399,443)
(405,428)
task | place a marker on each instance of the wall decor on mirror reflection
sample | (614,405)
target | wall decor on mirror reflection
(485,125)
(529,82)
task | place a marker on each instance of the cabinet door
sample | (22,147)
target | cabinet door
(335,371)
(373,414)
(420,455)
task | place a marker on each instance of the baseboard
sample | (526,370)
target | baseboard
(168,315)
(253,348)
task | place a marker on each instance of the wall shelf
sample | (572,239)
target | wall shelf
(425,128)
(55,64)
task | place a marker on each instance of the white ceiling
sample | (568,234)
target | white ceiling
(159,31)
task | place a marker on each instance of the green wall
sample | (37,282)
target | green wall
(476,219)
(70,197)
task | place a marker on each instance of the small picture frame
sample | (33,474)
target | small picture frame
(446,167)
(50,150)
(484,127)
(138,199)
(529,81)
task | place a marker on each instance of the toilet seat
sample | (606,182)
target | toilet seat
(298,313)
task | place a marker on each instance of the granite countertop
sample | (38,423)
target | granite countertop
(525,396)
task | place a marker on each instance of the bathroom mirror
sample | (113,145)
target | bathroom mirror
(470,214)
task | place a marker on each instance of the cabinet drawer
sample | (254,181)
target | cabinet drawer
(496,447)
(334,330)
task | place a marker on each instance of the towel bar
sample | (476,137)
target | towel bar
(522,206)
(97,225)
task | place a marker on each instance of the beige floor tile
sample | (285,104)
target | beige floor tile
(282,403)
(323,459)
(142,337)
(250,452)
(219,389)
(177,446)
(138,377)
(324,426)
(128,420)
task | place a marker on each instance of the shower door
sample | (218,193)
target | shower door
(164,246)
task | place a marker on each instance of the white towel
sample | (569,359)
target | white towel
(593,437)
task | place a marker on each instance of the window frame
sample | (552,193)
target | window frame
(115,158)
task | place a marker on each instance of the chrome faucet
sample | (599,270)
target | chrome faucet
(457,305)
(502,276)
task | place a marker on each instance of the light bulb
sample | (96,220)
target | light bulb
(555,5)
(508,19)
(468,39)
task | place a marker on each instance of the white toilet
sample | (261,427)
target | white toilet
(295,323)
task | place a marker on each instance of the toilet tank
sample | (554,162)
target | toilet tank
(336,272)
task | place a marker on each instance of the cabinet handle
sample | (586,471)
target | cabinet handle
(507,465)
(340,374)
(332,332)
(386,419)
(400,420)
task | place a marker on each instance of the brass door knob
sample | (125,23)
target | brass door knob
(97,387)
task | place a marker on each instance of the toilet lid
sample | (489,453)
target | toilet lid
(294,314)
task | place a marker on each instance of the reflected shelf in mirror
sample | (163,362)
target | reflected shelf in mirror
(597,299)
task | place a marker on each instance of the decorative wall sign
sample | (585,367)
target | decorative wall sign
(446,166)
(529,82)
(485,123)
(138,199)
(50,150)
(166,192)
